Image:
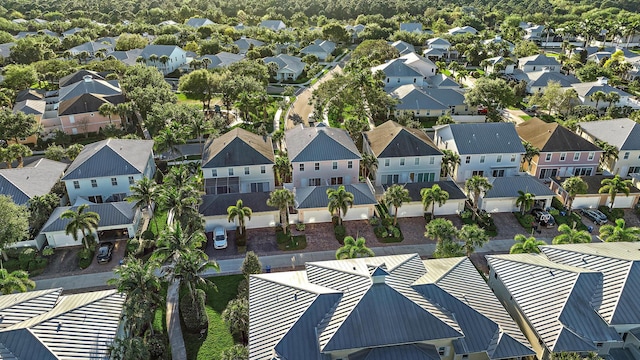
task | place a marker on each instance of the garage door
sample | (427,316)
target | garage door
(357,213)
(262,221)
(586,202)
(316,216)
(61,240)
(411,210)
(450,208)
(499,205)
(623,202)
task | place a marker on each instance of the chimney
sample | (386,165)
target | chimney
(87,78)
(603,81)
(378,273)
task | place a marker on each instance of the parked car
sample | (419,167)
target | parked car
(219,238)
(105,252)
(543,217)
(595,215)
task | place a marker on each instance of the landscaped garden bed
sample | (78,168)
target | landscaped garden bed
(612,214)
(290,242)
(484,221)
(383,226)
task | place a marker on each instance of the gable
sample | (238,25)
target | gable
(238,148)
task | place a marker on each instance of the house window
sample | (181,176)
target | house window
(626,155)
(94,183)
(317,166)
(263,169)
(76,184)
(513,157)
(96,199)
(334,165)
(72,119)
(633,170)
(349,164)
(301,167)
(467,160)
(416,161)
(389,179)
(336,180)
(386,162)
(314,182)
(498,173)
(443,351)
(477,172)
(246,170)
(214,172)
(425,177)
(499,158)
(582,172)
(114,181)
(432,160)
(563,156)
(548,157)
(402,162)
(482,159)
(259,187)
(131,180)
(230,171)
(576,156)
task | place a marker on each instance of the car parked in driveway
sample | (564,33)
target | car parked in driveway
(105,252)
(219,238)
(595,215)
(543,217)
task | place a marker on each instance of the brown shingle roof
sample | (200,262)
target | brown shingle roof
(549,137)
(238,147)
(408,142)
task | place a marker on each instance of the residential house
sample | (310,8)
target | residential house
(404,155)
(72,31)
(245,44)
(322,49)
(532,31)
(274,25)
(439,43)
(81,75)
(322,155)
(165,58)
(92,47)
(411,27)
(354,31)
(214,210)
(80,114)
(31,107)
(485,149)
(403,47)
(129,57)
(407,69)
(34,179)
(238,162)
(5,49)
(415,208)
(624,134)
(461,30)
(454,99)
(500,42)
(506,66)
(539,80)
(289,67)
(442,81)
(503,196)
(47,325)
(438,48)
(386,307)
(434,54)
(105,170)
(592,199)
(590,297)
(311,203)
(587,89)
(562,152)
(222,59)
(416,102)
(199,22)
(538,63)
(87,85)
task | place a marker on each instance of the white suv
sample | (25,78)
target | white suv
(219,238)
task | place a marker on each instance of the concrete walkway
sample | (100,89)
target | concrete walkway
(174,330)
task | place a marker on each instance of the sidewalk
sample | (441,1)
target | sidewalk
(176,340)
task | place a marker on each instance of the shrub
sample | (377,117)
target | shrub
(158,346)
(300,227)
(556,203)
(554,212)
(47,251)
(194,321)
(612,214)
(525,220)
(380,231)
(374,221)
(467,214)
(26,257)
(85,257)
(340,232)
(243,289)
(11,265)
(148,235)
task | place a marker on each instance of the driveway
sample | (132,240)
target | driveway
(301,108)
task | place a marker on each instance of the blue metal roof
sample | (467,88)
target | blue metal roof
(487,138)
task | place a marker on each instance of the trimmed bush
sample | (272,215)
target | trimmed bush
(300,226)
(85,257)
(525,220)
(194,322)
(556,203)
(612,214)
(26,257)
(340,232)
(148,235)
(158,346)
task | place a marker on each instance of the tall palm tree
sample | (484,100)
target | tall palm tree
(353,248)
(107,109)
(450,161)
(73,151)
(169,138)
(598,96)
(198,126)
(571,235)
(174,242)
(530,152)
(609,153)
(440,230)
(368,164)
(573,186)
(619,232)
(476,186)
(340,200)
(19,152)
(431,196)
(615,186)
(188,269)
(282,199)
(282,168)
(525,201)
(81,221)
(144,193)
(612,97)
(472,236)
(16,281)
(239,212)
(395,196)
(526,245)
(182,205)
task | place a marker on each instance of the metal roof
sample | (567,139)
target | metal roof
(405,352)
(622,133)
(320,144)
(542,79)
(89,85)
(111,214)
(198,22)
(508,187)
(449,97)
(549,137)
(449,186)
(238,147)
(314,197)
(585,90)
(540,59)
(286,62)
(223,59)
(393,140)
(213,205)
(160,50)
(111,157)
(15,308)
(37,178)
(486,138)
(22,344)
(413,98)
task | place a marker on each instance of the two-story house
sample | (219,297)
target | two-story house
(35,179)
(322,49)
(485,149)
(538,63)
(238,161)
(105,170)
(562,152)
(587,89)
(624,134)
(289,67)
(165,58)
(407,69)
(404,155)
(322,155)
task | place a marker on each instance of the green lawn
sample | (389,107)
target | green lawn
(525,117)
(218,337)
(183,98)
(159,219)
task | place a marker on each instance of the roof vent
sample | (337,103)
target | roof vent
(378,273)
(87,78)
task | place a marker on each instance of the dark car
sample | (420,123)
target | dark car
(543,217)
(595,215)
(105,251)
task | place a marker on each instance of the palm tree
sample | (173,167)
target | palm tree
(598,96)
(188,269)
(354,249)
(431,196)
(340,200)
(73,151)
(236,316)
(368,164)
(571,235)
(530,152)
(395,196)
(182,204)
(526,245)
(612,97)
(239,211)
(107,109)
(81,221)
(169,138)
(450,161)
(573,186)
(282,168)
(144,193)
(282,199)
(16,281)
(619,232)
(19,152)
(615,186)
(473,236)
(525,201)
(174,242)
(198,127)
(440,230)
(476,186)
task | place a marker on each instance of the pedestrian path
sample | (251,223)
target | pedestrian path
(174,330)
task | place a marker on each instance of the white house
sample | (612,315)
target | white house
(507,68)
(105,170)
(503,195)
(289,67)
(585,90)
(624,134)
(311,203)
(214,211)
(439,43)
(165,58)
(404,155)
(485,149)
(407,69)
(538,63)
(322,49)
(238,162)
(415,208)
(460,30)
(592,198)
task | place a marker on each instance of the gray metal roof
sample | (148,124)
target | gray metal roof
(508,187)
(486,138)
(223,59)
(245,43)
(78,76)
(449,186)
(438,41)
(111,157)
(441,80)
(37,178)
(22,344)
(540,59)
(238,147)
(273,24)
(585,90)
(405,352)
(198,22)
(620,266)
(16,308)
(542,79)
(448,97)
(286,62)
(314,197)
(160,50)
(213,205)
(30,107)
(414,98)
(89,86)
(622,133)
(111,214)
(413,26)
(320,144)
